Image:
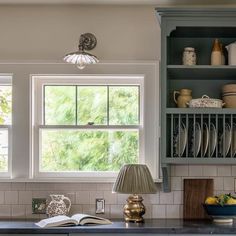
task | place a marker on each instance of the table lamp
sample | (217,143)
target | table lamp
(134,179)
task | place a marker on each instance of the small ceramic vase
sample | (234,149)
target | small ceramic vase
(216,54)
(57,206)
(189,56)
(184,96)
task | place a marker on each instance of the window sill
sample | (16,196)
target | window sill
(65,180)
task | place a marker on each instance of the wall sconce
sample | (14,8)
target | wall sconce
(81,58)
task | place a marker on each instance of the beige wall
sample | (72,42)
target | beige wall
(49,32)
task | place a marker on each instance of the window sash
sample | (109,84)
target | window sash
(123,80)
(76,86)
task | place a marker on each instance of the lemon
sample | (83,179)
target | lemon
(211,200)
(231,201)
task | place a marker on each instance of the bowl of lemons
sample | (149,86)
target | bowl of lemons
(221,208)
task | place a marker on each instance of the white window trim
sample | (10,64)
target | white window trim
(22,72)
(6,79)
(38,83)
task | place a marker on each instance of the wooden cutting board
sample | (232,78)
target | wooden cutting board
(195,193)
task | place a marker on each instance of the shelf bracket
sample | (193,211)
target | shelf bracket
(166,178)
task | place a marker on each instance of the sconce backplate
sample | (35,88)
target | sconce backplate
(88,41)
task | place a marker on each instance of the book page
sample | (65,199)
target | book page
(56,221)
(88,219)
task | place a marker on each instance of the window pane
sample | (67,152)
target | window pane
(60,105)
(3,150)
(123,105)
(86,150)
(5,104)
(92,105)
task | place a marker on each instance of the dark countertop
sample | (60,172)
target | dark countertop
(168,226)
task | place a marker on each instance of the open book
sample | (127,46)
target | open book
(77,219)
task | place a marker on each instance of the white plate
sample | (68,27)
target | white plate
(180,140)
(195,140)
(213,139)
(225,140)
(205,138)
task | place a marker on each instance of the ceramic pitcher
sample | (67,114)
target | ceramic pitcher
(231,53)
(58,205)
(184,96)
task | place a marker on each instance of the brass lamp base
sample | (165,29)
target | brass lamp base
(134,209)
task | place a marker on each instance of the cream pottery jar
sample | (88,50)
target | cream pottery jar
(231,53)
(184,96)
(189,56)
(57,206)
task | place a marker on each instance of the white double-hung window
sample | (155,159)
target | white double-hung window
(87,126)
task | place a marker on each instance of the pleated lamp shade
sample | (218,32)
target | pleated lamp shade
(134,179)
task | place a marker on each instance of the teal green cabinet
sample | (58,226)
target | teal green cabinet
(195,135)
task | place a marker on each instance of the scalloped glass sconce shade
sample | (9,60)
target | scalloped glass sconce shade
(81,58)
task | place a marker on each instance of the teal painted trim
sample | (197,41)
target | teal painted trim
(202,67)
(200,161)
(200,111)
(166,173)
(208,12)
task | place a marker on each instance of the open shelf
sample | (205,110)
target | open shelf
(201,72)
(200,111)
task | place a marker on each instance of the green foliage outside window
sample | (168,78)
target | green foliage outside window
(90,150)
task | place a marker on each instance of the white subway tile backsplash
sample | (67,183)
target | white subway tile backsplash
(5,211)
(15,198)
(18,186)
(166,198)
(82,197)
(209,170)
(233,171)
(181,170)
(172,211)
(75,209)
(110,198)
(151,198)
(5,186)
(121,198)
(11,197)
(93,195)
(25,197)
(104,187)
(18,211)
(116,211)
(218,183)
(28,213)
(176,183)
(159,211)
(148,213)
(195,170)
(178,197)
(229,184)
(40,194)
(89,209)
(224,170)
(2,197)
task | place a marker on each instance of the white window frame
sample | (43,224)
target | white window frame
(40,81)
(6,79)
(21,155)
